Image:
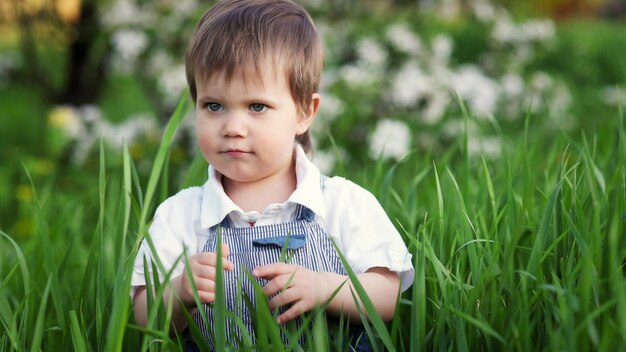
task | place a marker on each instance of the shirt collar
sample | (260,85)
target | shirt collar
(216,205)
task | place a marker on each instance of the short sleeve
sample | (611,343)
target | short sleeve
(368,237)
(167,249)
(172,237)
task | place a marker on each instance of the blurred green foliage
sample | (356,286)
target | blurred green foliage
(585,56)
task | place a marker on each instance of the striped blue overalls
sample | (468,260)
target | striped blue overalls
(307,243)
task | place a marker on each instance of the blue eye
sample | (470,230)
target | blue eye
(258,107)
(214,107)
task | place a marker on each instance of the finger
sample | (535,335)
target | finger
(228,265)
(285,297)
(295,311)
(207,285)
(225,250)
(278,284)
(203,272)
(272,270)
(210,259)
(206,297)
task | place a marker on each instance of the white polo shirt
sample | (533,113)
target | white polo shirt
(350,214)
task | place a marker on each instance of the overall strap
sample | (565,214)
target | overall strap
(303,213)
(226,222)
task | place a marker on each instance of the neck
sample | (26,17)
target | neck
(257,195)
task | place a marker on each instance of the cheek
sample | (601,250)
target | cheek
(204,135)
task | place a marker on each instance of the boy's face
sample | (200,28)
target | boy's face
(246,127)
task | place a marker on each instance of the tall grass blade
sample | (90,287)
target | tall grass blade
(161,155)
(78,339)
(484,327)
(542,233)
(126,196)
(418,306)
(50,265)
(21,262)
(219,305)
(37,334)
(370,309)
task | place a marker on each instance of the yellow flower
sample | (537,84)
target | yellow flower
(62,117)
(24,193)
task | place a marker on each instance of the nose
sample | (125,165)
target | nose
(234,125)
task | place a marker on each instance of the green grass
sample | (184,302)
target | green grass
(521,253)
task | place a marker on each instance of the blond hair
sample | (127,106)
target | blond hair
(235,36)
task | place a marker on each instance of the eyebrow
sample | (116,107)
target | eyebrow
(247,99)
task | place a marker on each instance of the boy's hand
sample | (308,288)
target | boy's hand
(203,269)
(302,288)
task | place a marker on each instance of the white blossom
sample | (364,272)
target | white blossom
(172,82)
(479,91)
(613,96)
(538,30)
(442,48)
(129,44)
(436,107)
(85,126)
(129,130)
(512,85)
(125,13)
(490,147)
(454,128)
(532,31)
(404,39)
(541,81)
(357,75)
(410,84)
(371,53)
(390,139)
(559,104)
(504,30)
(330,108)
(484,10)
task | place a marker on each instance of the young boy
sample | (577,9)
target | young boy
(253,68)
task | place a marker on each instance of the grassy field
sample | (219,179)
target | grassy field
(524,253)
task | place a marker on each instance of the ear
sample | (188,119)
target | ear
(306,119)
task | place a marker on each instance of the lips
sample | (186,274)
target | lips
(235,152)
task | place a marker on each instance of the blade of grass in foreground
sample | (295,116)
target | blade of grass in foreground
(119,315)
(159,162)
(45,244)
(366,325)
(21,262)
(161,155)
(197,335)
(78,339)
(219,305)
(126,195)
(418,307)
(479,324)
(41,315)
(372,313)
(542,233)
